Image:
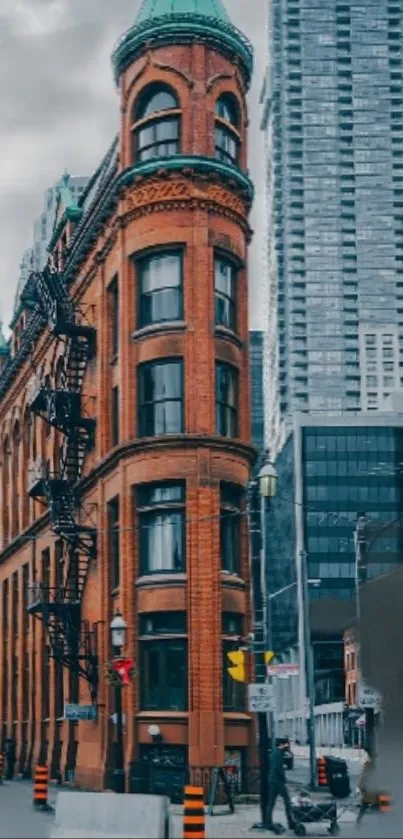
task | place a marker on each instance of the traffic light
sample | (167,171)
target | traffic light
(237,671)
(268,656)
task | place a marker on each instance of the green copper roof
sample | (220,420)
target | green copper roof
(157,8)
(161,22)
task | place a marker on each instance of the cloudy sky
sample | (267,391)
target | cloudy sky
(59,109)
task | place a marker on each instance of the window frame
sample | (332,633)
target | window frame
(142,431)
(146,257)
(231,509)
(233,693)
(113,518)
(154,120)
(229,131)
(115,416)
(113,300)
(224,257)
(160,642)
(219,405)
(148,509)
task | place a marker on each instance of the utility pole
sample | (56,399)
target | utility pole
(309,671)
(361,577)
(259,641)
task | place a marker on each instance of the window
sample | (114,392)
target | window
(372,381)
(226,400)
(156,125)
(161,518)
(160,288)
(233,692)
(113,300)
(163,662)
(230,528)
(160,399)
(225,276)
(115,416)
(226,134)
(113,539)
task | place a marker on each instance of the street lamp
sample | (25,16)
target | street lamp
(118,629)
(264,486)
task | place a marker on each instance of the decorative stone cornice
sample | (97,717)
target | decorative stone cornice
(186,28)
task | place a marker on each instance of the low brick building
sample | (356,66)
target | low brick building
(124,423)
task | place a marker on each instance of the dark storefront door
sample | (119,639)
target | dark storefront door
(160,770)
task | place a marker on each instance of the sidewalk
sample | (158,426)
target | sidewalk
(238,825)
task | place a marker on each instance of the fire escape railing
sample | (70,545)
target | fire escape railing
(73,642)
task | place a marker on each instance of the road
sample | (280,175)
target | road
(20,821)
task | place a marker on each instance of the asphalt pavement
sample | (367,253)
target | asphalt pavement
(19,820)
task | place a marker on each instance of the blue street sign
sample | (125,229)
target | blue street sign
(74,713)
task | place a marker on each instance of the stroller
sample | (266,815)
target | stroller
(306,810)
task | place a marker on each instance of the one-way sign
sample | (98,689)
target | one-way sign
(368,697)
(260,698)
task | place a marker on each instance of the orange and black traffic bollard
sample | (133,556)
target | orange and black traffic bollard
(384,802)
(322,774)
(41,783)
(193,813)
(2,762)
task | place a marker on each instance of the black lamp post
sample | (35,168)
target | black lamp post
(261,490)
(118,637)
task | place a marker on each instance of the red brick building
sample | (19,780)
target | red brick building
(124,422)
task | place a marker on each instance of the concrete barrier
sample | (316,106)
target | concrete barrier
(93,815)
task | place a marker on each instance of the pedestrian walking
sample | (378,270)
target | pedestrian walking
(10,758)
(278,786)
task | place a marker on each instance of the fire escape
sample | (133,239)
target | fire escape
(72,641)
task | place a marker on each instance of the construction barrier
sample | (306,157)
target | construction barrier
(97,815)
(2,762)
(322,774)
(41,785)
(193,813)
(384,802)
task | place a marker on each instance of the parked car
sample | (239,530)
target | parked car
(288,755)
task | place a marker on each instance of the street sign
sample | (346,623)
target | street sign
(260,698)
(75,713)
(368,697)
(282,671)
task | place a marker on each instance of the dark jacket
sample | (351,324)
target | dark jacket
(277,771)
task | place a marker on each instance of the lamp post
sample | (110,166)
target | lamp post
(265,486)
(118,629)
(309,670)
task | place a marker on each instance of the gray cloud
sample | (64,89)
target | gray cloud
(59,106)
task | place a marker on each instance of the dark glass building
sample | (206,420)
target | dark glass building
(256,345)
(330,470)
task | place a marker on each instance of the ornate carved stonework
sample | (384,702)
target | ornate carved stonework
(157,194)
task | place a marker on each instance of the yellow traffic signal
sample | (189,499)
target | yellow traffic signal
(268,656)
(237,671)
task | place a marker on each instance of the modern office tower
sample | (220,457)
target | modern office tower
(333,119)
(43,226)
(256,351)
(330,470)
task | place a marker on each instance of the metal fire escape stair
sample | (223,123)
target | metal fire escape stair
(72,641)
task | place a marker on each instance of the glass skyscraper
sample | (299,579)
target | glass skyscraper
(333,120)
(256,344)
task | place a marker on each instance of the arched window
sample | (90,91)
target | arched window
(155,124)
(26,446)
(6,492)
(226,129)
(15,500)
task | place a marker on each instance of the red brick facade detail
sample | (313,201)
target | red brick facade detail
(199,214)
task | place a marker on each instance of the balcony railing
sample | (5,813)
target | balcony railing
(38,473)
(36,394)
